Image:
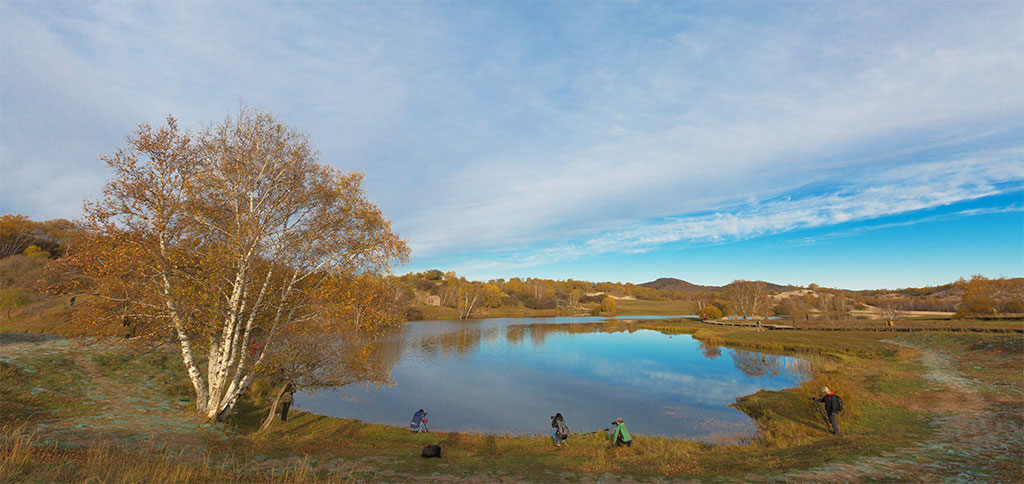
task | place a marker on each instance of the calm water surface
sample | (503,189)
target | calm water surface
(510,375)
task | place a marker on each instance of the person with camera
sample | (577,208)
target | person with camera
(621,436)
(833,405)
(419,421)
(561,432)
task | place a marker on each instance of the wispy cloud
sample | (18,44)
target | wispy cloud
(683,129)
(859,231)
(889,192)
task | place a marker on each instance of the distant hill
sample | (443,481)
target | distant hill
(673,284)
(779,287)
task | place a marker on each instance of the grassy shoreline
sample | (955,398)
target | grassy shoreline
(881,379)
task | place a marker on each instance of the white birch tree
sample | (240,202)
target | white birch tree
(226,239)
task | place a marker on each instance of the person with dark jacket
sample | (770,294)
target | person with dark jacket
(832,407)
(561,432)
(419,421)
(286,401)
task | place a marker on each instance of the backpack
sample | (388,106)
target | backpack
(431,451)
(837,403)
(563,430)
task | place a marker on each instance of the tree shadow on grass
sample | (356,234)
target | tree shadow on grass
(308,420)
(14,338)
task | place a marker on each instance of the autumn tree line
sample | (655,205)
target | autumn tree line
(975,297)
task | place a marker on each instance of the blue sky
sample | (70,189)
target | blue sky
(856,145)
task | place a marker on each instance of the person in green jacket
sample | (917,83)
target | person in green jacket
(621,435)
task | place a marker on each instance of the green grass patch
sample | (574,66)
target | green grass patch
(626,307)
(19,403)
(140,363)
(38,387)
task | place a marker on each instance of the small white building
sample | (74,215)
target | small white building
(433,300)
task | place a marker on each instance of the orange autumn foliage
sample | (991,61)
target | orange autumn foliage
(230,238)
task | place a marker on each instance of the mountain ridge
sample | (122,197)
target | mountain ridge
(673,284)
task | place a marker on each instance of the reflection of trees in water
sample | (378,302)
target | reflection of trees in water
(426,346)
(388,351)
(362,360)
(491,335)
(464,340)
(802,367)
(539,332)
(759,364)
(514,334)
(619,325)
(756,364)
(537,335)
(710,351)
(460,342)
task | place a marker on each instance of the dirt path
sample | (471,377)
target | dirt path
(977,440)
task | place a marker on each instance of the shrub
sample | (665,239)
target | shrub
(713,312)
(413,314)
(608,304)
(35,252)
(12,298)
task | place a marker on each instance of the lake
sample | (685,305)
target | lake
(510,375)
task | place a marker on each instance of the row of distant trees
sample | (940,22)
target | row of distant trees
(978,296)
(751,299)
(467,296)
(981,296)
(21,235)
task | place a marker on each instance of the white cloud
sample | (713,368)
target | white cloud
(933,218)
(657,154)
(888,192)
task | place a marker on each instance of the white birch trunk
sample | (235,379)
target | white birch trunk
(184,341)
